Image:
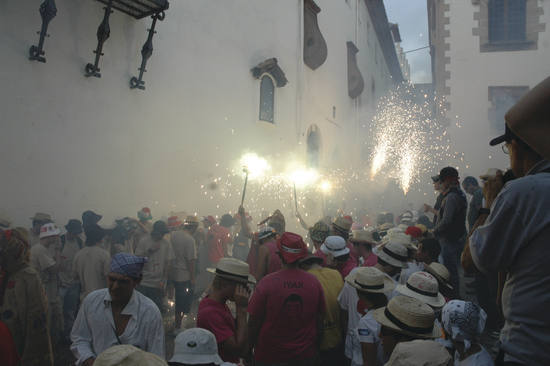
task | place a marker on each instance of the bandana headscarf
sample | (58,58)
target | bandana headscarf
(464,321)
(128,265)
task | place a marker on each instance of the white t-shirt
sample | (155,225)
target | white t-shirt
(482,358)
(414,267)
(367,331)
(348,300)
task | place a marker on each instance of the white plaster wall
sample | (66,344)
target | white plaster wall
(69,143)
(472,72)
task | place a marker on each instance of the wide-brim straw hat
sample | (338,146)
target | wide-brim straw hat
(424,287)
(440,272)
(370,279)
(362,236)
(394,254)
(234,270)
(409,316)
(420,352)
(127,355)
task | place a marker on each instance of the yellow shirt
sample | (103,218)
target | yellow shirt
(332,284)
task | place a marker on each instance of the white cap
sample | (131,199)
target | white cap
(49,229)
(196,346)
(335,245)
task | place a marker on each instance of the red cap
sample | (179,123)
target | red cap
(210,219)
(173,222)
(414,232)
(292,247)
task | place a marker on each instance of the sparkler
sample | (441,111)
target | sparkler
(245,170)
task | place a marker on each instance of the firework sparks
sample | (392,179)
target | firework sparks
(257,167)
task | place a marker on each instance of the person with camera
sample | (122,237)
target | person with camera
(516,234)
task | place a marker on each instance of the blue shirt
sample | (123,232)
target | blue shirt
(516,239)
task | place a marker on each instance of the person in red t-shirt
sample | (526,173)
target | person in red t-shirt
(286,310)
(219,236)
(268,259)
(230,284)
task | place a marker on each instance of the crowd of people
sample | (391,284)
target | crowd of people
(389,292)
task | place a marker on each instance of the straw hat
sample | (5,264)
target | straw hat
(343,223)
(41,217)
(335,245)
(234,270)
(191,220)
(409,316)
(393,253)
(126,355)
(420,352)
(440,272)
(362,236)
(370,279)
(424,287)
(196,346)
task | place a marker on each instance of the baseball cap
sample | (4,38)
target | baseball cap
(435,178)
(292,247)
(49,229)
(507,136)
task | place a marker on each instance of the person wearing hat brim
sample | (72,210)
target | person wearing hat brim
(118,315)
(91,264)
(424,287)
(435,209)
(336,254)
(230,283)
(195,346)
(127,355)
(69,290)
(182,272)
(509,243)
(332,283)
(155,272)
(427,252)
(285,309)
(371,286)
(45,258)
(268,259)
(363,241)
(441,274)
(38,220)
(405,319)
(450,229)
(421,352)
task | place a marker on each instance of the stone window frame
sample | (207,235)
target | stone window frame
(533,26)
(493,92)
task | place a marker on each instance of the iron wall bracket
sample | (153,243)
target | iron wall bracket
(48,11)
(146,53)
(103,33)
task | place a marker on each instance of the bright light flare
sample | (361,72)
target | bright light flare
(379,158)
(303,177)
(257,166)
(325,186)
(407,169)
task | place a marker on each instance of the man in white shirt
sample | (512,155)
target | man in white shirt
(117,315)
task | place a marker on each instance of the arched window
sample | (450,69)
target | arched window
(267,99)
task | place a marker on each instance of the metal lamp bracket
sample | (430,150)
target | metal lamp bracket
(48,11)
(103,33)
(146,53)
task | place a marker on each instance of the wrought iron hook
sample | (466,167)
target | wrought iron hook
(48,11)
(146,53)
(103,33)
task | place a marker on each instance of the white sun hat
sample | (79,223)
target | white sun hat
(409,316)
(234,270)
(335,245)
(49,229)
(440,272)
(370,279)
(392,253)
(420,352)
(127,355)
(196,346)
(424,287)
